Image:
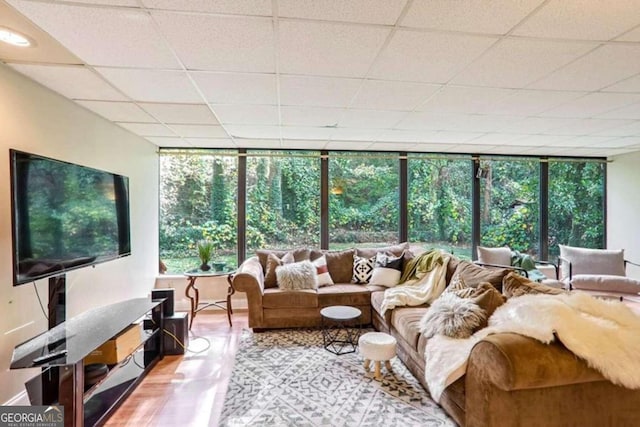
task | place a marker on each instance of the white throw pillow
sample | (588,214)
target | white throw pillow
(297,275)
(324,278)
(387,270)
(362,269)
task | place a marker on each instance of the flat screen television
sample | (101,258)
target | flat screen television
(65,216)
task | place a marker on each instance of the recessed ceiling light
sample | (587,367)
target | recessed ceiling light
(14,38)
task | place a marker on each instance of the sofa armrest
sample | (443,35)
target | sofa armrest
(515,362)
(249,278)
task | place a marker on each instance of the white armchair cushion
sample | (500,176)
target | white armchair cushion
(591,261)
(605,283)
(496,256)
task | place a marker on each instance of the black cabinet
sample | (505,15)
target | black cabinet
(61,352)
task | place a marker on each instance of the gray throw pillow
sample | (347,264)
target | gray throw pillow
(452,316)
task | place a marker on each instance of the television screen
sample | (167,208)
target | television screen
(65,216)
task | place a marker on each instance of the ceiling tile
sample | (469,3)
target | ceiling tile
(212,142)
(129,3)
(237,88)
(247,114)
(371,119)
(302,144)
(194,114)
(392,146)
(581,141)
(47,49)
(447,137)
(465,99)
(588,126)
(347,145)
(517,62)
(238,7)
(148,129)
(631,36)
(632,129)
(475,16)
(258,143)
(317,91)
(310,116)
(224,43)
(594,104)
(153,85)
(299,132)
(629,112)
(509,149)
(430,148)
(199,131)
(427,56)
(118,111)
(322,48)
(355,134)
(581,19)
(497,138)
(169,142)
(631,84)
(471,149)
(72,81)
(602,67)
(536,125)
(455,122)
(253,132)
(542,140)
(626,141)
(530,102)
(396,135)
(362,11)
(390,95)
(101,35)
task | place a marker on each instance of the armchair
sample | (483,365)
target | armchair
(601,270)
(524,264)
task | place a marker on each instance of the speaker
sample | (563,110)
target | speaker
(168,306)
(176,333)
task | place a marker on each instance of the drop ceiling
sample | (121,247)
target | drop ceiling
(531,77)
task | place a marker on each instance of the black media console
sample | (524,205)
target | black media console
(60,352)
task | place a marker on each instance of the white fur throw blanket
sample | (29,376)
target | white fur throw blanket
(416,292)
(606,334)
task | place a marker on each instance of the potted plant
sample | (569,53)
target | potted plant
(205,252)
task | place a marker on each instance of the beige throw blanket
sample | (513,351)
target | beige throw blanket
(425,288)
(604,333)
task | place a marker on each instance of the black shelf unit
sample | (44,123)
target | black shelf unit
(62,379)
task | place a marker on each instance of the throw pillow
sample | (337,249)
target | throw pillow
(273,262)
(515,285)
(473,274)
(324,278)
(452,316)
(362,269)
(297,275)
(298,255)
(591,261)
(340,263)
(387,270)
(496,256)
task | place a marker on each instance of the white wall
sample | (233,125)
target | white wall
(37,120)
(623,208)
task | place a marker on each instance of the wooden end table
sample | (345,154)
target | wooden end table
(193,293)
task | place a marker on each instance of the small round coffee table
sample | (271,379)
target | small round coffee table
(340,332)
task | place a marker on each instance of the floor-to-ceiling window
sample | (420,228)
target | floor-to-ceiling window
(509,204)
(363,199)
(202,196)
(576,204)
(439,203)
(283,200)
(197,202)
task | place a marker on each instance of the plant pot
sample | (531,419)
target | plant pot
(205,267)
(218,265)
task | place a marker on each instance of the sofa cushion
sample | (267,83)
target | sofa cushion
(497,256)
(339,263)
(298,255)
(473,274)
(344,294)
(606,283)
(393,250)
(406,320)
(273,262)
(276,298)
(514,285)
(591,261)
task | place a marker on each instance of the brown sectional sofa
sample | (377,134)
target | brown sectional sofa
(511,380)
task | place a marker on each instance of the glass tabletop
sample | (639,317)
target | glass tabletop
(196,272)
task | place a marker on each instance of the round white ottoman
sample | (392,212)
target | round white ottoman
(377,347)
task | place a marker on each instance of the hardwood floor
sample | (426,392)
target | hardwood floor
(187,390)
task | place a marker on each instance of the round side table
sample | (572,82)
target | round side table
(339,333)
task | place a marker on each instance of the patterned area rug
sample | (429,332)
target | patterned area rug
(287,378)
